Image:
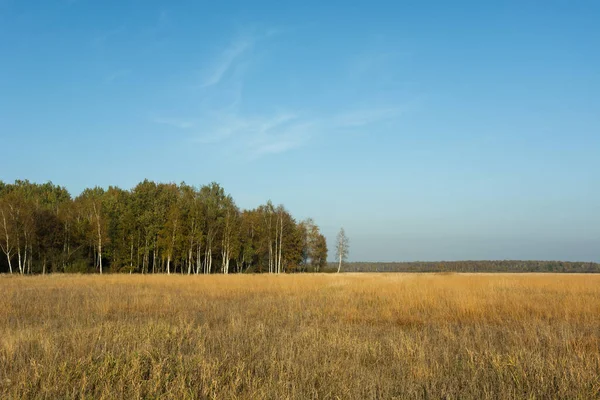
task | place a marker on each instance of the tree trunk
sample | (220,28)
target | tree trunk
(280,244)
(154,255)
(131,256)
(9,263)
(7,249)
(270,256)
(198,258)
(30,259)
(172,246)
(97,214)
(276,243)
(226,256)
(225,253)
(19,257)
(138,252)
(146,258)
(25,256)
(100,253)
(205,263)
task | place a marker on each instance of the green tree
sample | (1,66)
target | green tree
(92,206)
(154,227)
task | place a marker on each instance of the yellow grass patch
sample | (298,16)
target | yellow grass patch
(348,336)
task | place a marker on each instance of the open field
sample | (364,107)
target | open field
(349,336)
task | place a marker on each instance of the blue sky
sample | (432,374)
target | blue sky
(429,130)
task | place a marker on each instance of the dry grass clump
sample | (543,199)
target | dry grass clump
(349,336)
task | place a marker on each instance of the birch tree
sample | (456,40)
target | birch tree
(230,228)
(91,200)
(248,239)
(6,244)
(341,248)
(5,227)
(190,225)
(212,197)
(168,218)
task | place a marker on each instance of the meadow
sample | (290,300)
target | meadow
(301,336)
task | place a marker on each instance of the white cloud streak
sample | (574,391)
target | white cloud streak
(285,139)
(223,122)
(258,135)
(225,61)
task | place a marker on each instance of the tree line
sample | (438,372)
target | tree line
(152,228)
(472,266)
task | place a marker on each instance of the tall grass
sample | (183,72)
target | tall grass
(301,336)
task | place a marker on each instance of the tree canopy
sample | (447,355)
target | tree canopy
(152,228)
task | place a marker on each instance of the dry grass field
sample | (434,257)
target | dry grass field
(348,336)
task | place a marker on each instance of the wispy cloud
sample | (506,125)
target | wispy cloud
(275,122)
(282,140)
(224,120)
(257,135)
(225,60)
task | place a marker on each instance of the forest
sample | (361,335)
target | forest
(152,228)
(472,266)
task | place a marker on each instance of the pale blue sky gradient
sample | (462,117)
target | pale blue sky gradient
(429,130)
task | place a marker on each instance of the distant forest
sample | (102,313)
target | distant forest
(152,228)
(470,266)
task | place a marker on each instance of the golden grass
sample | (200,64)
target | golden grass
(349,336)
